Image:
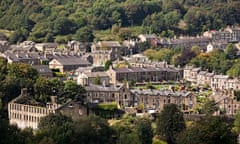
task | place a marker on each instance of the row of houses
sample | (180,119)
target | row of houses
(25,112)
(215,81)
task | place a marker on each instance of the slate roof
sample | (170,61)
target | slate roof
(71,60)
(110,88)
(17,56)
(96,74)
(42,68)
(159,92)
(143,69)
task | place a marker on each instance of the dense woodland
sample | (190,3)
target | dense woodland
(62,20)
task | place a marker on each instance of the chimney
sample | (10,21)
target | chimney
(24,92)
(54,99)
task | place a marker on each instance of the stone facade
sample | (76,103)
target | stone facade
(108,94)
(68,63)
(26,115)
(216,82)
(106,50)
(156,99)
(91,78)
(143,74)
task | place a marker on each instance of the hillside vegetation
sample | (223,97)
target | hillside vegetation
(62,20)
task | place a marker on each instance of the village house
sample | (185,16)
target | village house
(230,34)
(65,63)
(43,71)
(204,78)
(216,82)
(147,37)
(216,45)
(185,42)
(32,58)
(226,101)
(46,47)
(87,78)
(143,74)
(26,112)
(77,47)
(190,74)
(107,50)
(119,94)
(152,99)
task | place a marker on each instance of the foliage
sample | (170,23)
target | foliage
(93,130)
(74,91)
(170,123)
(209,107)
(10,134)
(209,130)
(107,64)
(237,122)
(110,106)
(97,80)
(133,130)
(46,20)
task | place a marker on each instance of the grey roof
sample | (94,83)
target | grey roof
(42,68)
(159,92)
(221,76)
(71,60)
(110,88)
(108,44)
(96,74)
(144,69)
(17,56)
(83,69)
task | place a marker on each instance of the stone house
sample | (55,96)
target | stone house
(204,78)
(46,47)
(219,82)
(226,101)
(190,74)
(32,58)
(107,50)
(119,94)
(87,78)
(143,74)
(152,99)
(26,112)
(43,71)
(68,63)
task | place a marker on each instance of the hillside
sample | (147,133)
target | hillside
(61,20)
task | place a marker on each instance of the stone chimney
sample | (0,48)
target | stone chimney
(24,92)
(54,99)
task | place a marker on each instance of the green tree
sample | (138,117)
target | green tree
(74,91)
(170,123)
(63,26)
(97,80)
(209,130)
(84,34)
(209,107)
(234,70)
(93,130)
(126,131)
(231,51)
(108,63)
(144,130)
(56,127)
(42,89)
